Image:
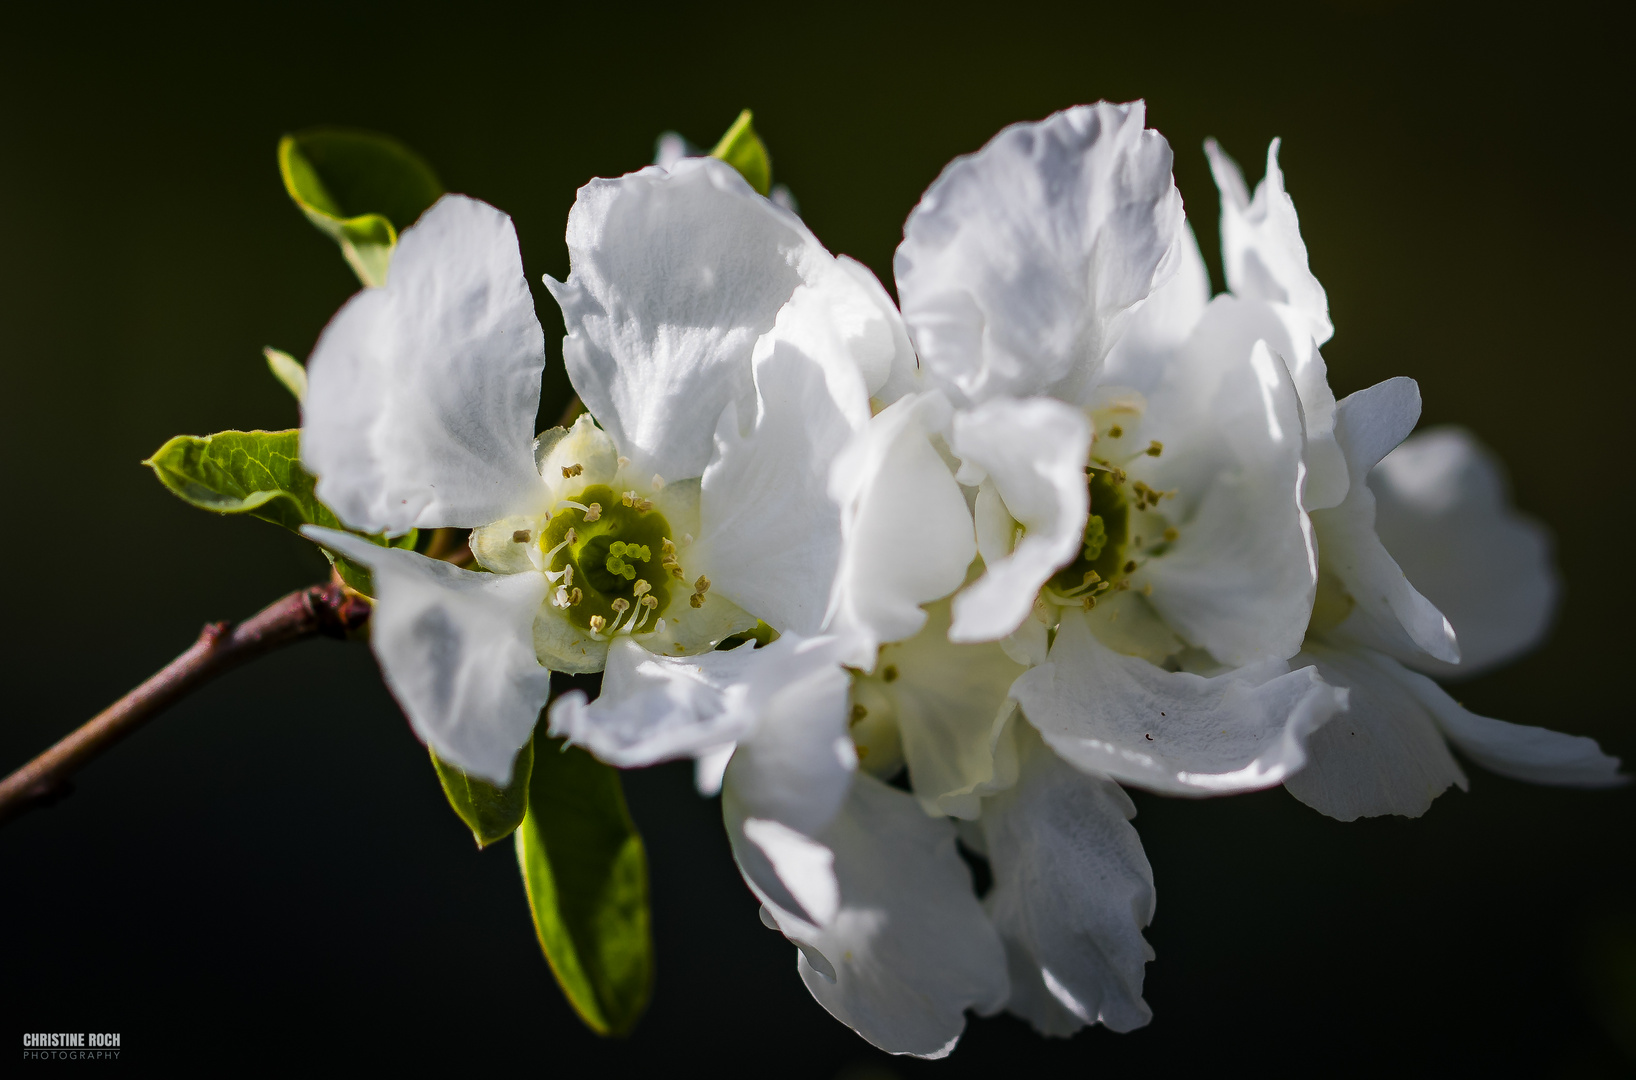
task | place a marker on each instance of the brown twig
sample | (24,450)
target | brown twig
(331,610)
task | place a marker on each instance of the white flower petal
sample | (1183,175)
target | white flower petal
(1072,891)
(908,948)
(421,395)
(1161,324)
(1022,261)
(1172,732)
(1522,752)
(1034,452)
(908,532)
(876,336)
(773,530)
(1266,264)
(1240,577)
(675,275)
(456,650)
(796,764)
(953,714)
(1261,244)
(1444,514)
(1390,614)
(1384,755)
(659,708)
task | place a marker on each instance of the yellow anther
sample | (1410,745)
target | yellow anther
(658,482)
(1171,535)
(650,601)
(1130,567)
(703,584)
(593,512)
(574,597)
(620,604)
(642,506)
(696,600)
(572,537)
(521,536)
(568,576)
(858,713)
(623,461)
(1154,448)
(569,471)
(642,587)
(1116,432)
(597,624)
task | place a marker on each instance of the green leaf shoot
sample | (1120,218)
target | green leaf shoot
(257,473)
(359,188)
(492,813)
(586,874)
(287,370)
(743,149)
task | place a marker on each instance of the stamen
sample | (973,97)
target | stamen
(628,498)
(593,512)
(658,482)
(570,471)
(572,537)
(568,575)
(1116,432)
(569,503)
(1154,448)
(624,461)
(575,596)
(620,605)
(643,588)
(560,597)
(1171,535)
(521,536)
(597,623)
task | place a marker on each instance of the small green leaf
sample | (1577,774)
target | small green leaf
(287,370)
(492,813)
(257,473)
(359,188)
(586,874)
(743,149)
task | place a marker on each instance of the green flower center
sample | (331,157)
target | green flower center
(1101,555)
(618,560)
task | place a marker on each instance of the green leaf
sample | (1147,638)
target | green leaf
(743,149)
(257,473)
(359,188)
(587,879)
(492,813)
(287,370)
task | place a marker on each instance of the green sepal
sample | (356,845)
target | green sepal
(586,875)
(743,149)
(287,370)
(361,189)
(491,813)
(257,473)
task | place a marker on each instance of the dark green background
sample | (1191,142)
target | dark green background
(269,872)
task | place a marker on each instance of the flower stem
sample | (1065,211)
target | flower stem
(330,610)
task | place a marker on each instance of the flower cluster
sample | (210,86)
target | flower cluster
(922,582)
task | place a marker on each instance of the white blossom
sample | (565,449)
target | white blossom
(725,356)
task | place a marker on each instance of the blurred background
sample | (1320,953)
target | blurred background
(269,873)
